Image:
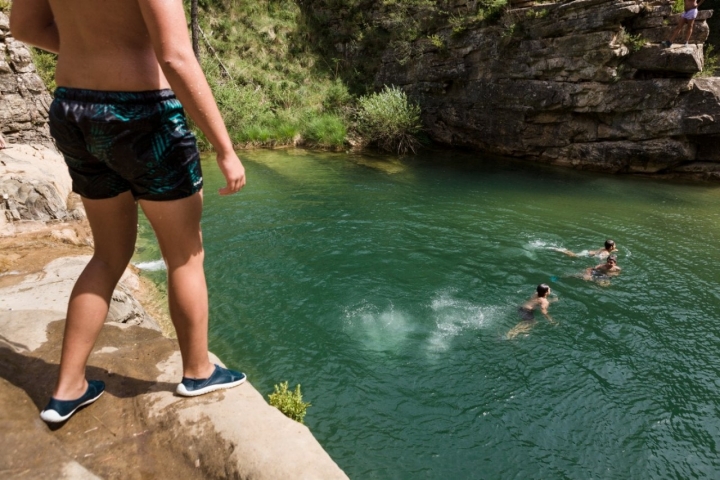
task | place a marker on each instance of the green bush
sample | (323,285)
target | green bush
(45,65)
(491,10)
(326,130)
(289,403)
(632,42)
(711,62)
(388,120)
(678,6)
(437,41)
(336,97)
(270,84)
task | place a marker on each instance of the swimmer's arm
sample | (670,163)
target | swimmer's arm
(544,311)
(32,21)
(167,25)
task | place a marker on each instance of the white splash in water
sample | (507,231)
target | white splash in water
(538,244)
(382,330)
(152,266)
(453,317)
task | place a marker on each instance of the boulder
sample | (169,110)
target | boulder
(139,427)
(677,58)
(34,186)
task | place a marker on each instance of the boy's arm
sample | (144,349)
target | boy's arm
(32,21)
(544,311)
(166,23)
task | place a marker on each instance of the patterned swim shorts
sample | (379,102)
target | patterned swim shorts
(114,142)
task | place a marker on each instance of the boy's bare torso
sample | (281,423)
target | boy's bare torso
(536,302)
(690,4)
(105,46)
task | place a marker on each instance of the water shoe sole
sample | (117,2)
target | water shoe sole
(51,416)
(184,392)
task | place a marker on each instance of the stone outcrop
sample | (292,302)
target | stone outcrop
(582,83)
(35,188)
(138,429)
(25,99)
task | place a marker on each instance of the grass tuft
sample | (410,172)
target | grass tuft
(290,403)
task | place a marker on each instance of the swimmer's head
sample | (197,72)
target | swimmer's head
(542,290)
(612,259)
(609,245)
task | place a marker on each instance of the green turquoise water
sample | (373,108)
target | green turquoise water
(386,288)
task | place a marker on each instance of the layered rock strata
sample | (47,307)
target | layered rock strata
(582,83)
(24,98)
(35,188)
(34,183)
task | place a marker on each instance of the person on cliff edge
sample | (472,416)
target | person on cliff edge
(125,71)
(687,18)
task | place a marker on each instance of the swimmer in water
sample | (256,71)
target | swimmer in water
(604,271)
(539,301)
(601,253)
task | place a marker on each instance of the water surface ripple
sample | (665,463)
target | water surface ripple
(386,288)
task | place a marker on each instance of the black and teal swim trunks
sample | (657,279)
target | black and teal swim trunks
(114,142)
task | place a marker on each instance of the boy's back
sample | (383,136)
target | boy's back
(105,46)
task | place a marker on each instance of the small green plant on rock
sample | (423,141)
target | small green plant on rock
(678,6)
(490,10)
(45,65)
(632,42)
(711,62)
(289,402)
(458,25)
(532,14)
(509,31)
(436,41)
(389,120)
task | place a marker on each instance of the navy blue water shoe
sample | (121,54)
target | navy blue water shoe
(60,410)
(221,378)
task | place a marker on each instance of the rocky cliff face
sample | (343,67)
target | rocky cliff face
(25,100)
(581,83)
(34,182)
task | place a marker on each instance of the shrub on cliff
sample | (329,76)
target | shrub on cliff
(711,62)
(45,65)
(289,402)
(388,120)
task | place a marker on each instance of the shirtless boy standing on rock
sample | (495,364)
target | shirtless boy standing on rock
(687,18)
(122,130)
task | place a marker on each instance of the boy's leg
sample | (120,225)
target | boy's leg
(677,30)
(691,23)
(177,226)
(114,227)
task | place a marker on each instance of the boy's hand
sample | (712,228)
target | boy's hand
(233,171)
